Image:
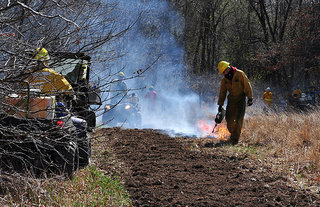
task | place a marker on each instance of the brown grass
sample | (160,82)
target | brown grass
(289,142)
(99,184)
(293,136)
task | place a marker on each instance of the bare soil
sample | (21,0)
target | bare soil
(165,171)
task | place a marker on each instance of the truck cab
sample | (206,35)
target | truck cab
(46,141)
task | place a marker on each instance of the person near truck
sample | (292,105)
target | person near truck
(133,99)
(118,88)
(236,83)
(42,56)
(47,80)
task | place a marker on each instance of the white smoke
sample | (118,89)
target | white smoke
(153,37)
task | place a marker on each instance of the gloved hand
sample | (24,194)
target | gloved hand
(250,102)
(219,108)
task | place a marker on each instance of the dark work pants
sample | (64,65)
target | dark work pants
(234,117)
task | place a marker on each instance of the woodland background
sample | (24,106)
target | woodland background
(277,43)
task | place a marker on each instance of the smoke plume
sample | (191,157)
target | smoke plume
(153,42)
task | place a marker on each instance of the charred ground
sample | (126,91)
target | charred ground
(164,171)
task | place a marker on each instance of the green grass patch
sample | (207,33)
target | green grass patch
(91,187)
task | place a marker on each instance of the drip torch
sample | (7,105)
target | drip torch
(219,117)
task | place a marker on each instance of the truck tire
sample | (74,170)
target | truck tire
(66,158)
(91,120)
(84,146)
(70,159)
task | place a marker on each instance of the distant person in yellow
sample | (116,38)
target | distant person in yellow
(296,93)
(42,56)
(238,86)
(267,97)
(46,79)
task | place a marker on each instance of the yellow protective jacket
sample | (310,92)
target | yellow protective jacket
(238,88)
(296,93)
(50,82)
(267,96)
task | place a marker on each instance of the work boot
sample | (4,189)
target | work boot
(234,140)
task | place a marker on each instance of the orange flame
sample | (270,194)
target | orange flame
(220,133)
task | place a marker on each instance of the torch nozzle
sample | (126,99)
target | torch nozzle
(214,127)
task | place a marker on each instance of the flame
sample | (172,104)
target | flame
(221,132)
(205,128)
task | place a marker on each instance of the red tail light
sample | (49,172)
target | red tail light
(60,124)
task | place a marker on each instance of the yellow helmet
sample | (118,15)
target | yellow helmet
(121,74)
(41,54)
(84,67)
(222,66)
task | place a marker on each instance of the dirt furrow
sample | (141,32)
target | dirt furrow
(163,172)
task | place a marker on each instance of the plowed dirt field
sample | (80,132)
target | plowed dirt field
(163,171)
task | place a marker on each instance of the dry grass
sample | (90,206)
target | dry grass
(289,142)
(91,187)
(99,184)
(292,136)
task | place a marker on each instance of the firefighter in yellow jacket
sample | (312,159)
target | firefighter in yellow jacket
(238,86)
(267,97)
(296,93)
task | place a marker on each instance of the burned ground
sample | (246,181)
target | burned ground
(165,171)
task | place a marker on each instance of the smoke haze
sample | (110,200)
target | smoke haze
(152,38)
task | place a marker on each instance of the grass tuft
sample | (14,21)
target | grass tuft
(91,187)
(289,142)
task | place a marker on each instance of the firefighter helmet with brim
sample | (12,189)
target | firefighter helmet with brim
(41,54)
(222,66)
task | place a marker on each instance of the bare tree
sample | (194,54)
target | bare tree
(273,17)
(203,19)
(68,30)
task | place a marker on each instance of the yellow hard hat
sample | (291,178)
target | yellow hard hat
(222,66)
(84,66)
(42,54)
(121,74)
